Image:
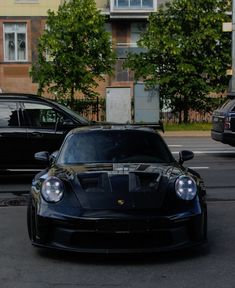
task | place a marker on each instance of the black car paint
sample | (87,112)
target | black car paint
(121,221)
(223,123)
(22,138)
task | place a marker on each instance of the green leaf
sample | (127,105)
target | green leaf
(74,52)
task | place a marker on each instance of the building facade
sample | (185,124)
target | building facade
(21,24)
(126,19)
(23,21)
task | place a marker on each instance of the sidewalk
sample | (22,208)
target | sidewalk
(186,133)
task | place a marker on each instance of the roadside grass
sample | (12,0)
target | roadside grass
(187,127)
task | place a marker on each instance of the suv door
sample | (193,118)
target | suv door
(46,128)
(13,135)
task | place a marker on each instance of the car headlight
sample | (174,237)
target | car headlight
(185,187)
(52,189)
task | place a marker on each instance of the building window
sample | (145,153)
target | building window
(136,4)
(136,30)
(122,74)
(108,28)
(15,48)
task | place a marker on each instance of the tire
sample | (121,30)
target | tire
(30,220)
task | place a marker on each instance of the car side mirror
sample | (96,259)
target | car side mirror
(67,122)
(42,156)
(185,155)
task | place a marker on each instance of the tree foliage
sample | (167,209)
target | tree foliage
(74,52)
(187,53)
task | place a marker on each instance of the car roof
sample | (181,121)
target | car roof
(24,96)
(41,100)
(113,127)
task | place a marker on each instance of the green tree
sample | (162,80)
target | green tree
(74,52)
(187,53)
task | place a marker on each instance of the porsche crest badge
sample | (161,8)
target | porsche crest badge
(120,202)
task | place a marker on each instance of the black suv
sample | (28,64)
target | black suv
(223,123)
(29,124)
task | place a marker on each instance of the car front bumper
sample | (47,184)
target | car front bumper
(121,235)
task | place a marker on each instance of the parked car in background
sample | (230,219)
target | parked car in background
(116,189)
(29,123)
(223,123)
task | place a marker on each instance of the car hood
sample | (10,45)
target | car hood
(119,186)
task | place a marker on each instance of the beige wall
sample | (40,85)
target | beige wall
(25,8)
(102,4)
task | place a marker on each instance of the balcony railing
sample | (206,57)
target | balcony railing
(122,49)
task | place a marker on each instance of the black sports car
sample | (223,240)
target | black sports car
(116,189)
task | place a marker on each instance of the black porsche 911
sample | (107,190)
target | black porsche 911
(116,189)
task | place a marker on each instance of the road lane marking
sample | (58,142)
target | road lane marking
(214,152)
(24,170)
(174,145)
(199,168)
(208,152)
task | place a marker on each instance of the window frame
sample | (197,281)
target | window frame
(16,54)
(121,74)
(130,6)
(18,115)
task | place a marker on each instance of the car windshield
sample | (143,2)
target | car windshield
(127,146)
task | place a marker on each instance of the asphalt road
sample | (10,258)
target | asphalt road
(22,265)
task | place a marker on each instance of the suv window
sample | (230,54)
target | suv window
(233,108)
(9,114)
(40,115)
(228,106)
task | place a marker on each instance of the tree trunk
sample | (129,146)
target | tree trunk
(72,100)
(186,115)
(186,109)
(180,117)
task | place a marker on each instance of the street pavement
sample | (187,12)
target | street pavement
(14,192)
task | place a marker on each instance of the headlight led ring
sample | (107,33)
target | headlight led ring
(185,187)
(52,189)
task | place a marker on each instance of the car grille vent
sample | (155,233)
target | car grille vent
(122,241)
(145,182)
(113,226)
(134,182)
(92,182)
(96,167)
